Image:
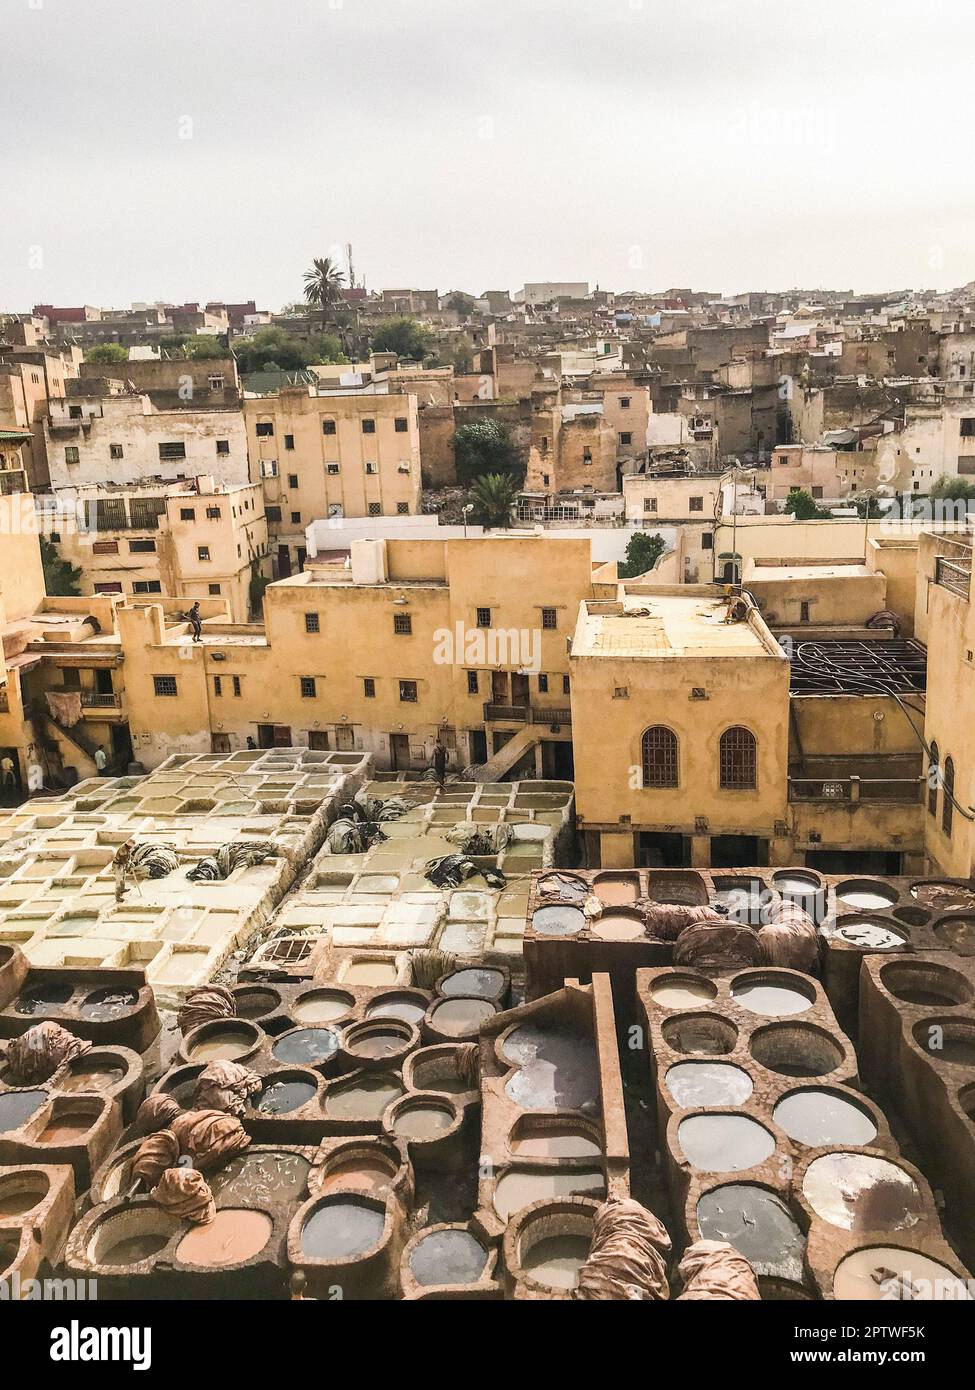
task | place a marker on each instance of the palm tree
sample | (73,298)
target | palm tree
(493,496)
(323,287)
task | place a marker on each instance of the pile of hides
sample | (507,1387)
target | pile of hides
(64,707)
(483,841)
(467,1059)
(185,1194)
(451,870)
(239,854)
(155,1113)
(156,861)
(717,944)
(428,965)
(205,1005)
(627,1257)
(789,938)
(154,1155)
(714,1270)
(357,826)
(225,1086)
(209,1137)
(40,1052)
(374,809)
(346,836)
(666,921)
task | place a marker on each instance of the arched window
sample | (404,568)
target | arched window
(947,806)
(660,757)
(738,757)
(934,780)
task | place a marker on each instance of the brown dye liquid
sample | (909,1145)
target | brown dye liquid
(366,1100)
(556,1260)
(556,1143)
(276,1176)
(135,1248)
(232,1236)
(358,1173)
(458,1017)
(617,926)
(519,1188)
(224,1047)
(873,1275)
(16,1203)
(377,1044)
(422,1122)
(93,1078)
(66,1130)
(617,892)
(858,1192)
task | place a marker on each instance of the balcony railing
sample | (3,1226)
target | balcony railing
(905,790)
(954,576)
(96,700)
(527,714)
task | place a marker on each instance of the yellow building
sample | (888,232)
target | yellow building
(331,455)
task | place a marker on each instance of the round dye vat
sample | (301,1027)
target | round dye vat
(478,982)
(16,1108)
(322,1006)
(926,984)
(366,1099)
(558,1069)
(795,885)
(422,1121)
(858,1192)
(66,1129)
(342,1230)
(742,904)
(255,1003)
(95,1076)
(448,1257)
(957,933)
(945,897)
(558,920)
(234,1235)
(617,891)
(884,1272)
(459,1018)
(682,992)
(556,1143)
(44,999)
(796,1049)
(618,926)
(309,1045)
(869,936)
(947,1040)
(103,1005)
(374,1041)
(557,1260)
(724,1143)
(572,890)
(700,1035)
(401,1006)
(520,1187)
(274,1176)
(758,1224)
(818,1118)
(22,1194)
(368,1172)
(866,895)
(697,1084)
(769,996)
(284,1097)
(223,1045)
(371,972)
(132,1249)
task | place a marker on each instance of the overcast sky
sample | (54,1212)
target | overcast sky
(207,149)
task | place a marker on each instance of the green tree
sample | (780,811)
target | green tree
(484,446)
(61,579)
(803,506)
(642,553)
(205,348)
(274,348)
(952,489)
(493,496)
(107,354)
(405,336)
(867,506)
(323,287)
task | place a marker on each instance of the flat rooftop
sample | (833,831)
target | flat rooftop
(670,625)
(836,570)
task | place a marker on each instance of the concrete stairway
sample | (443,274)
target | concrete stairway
(512,752)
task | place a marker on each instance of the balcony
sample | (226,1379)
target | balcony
(955,574)
(905,790)
(526,714)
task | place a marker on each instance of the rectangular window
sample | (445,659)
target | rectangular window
(543,685)
(214,590)
(170,452)
(292,480)
(203,552)
(187,514)
(312,623)
(104,548)
(328,427)
(549,619)
(264,429)
(213,513)
(218,686)
(269,468)
(375,509)
(624,402)
(484,617)
(146,586)
(142,547)
(223,446)
(649,504)
(165,685)
(472,682)
(402,624)
(289,441)
(369,687)
(111,588)
(626,438)
(407,692)
(115,451)
(237,686)
(695,504)
(318,741)
(565,685)
(71,454)
(307,687)
(368,427)
(402,508)
(216,382)
(331,468)
(402,425)
(372,468)
(296,518)
(707,541)
(968,427)
(273,514)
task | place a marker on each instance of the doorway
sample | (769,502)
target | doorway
(399,752)
(736,851)
(273,736)
(284,562)
(519,689)
(477,742)
(855,861)
(661,850)
(499,687)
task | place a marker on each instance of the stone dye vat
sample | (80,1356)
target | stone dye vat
(552,1113)
(545,1246)
(448,1260)
(46,1126)
(351,1241)
(917,1027)
(767,1140)
(103,1006)
(36,1211)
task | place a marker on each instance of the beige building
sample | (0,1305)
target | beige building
(331,455)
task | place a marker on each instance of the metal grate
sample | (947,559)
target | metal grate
(738,755)
(858,668)
(659,757)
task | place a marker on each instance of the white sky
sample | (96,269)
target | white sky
(476,144)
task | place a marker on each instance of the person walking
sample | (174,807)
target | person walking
(101,761)
(8,777)
(121,867)
(196,622)
(440,764)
